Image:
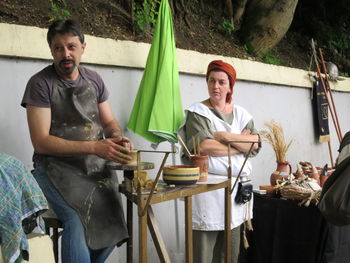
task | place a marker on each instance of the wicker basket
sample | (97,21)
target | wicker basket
(293,191)
(297,192)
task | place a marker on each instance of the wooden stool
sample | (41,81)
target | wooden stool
(52,226)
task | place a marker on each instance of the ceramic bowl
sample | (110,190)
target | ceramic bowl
(180,174)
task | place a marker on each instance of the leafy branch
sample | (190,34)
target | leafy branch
(57,12)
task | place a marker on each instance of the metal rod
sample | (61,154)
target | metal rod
(177,231)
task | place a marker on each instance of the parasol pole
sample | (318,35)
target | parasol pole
(177,228)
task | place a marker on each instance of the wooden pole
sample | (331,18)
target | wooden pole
(325,91)
(330,91)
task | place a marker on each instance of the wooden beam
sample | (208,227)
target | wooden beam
(188,229)
(157,237)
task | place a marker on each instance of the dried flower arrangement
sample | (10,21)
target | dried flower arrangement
(275,136)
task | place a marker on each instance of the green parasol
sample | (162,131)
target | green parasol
(157,112)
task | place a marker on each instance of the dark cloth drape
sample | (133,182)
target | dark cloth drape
(320,109)
(285,232)
(288,233)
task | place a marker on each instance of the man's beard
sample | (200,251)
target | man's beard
(66,70)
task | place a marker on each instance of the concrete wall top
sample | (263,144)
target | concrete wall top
(30,42)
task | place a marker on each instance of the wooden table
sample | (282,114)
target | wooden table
(166,194)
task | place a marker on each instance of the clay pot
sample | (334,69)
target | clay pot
(299,173)
(314,174)
(284,169)
(133,155)
(202,162)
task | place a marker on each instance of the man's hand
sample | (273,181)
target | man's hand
(125,141)
(114,149)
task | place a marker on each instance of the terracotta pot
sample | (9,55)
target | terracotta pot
(202,162)
(316,176)
(313,173)
(284,169)
(299,173)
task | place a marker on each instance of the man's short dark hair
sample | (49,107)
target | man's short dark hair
(62,27)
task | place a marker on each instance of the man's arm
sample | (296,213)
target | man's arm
(39,121)
(111,127)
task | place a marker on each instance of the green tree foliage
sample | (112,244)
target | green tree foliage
(327,21)
(226,27)
(146,13)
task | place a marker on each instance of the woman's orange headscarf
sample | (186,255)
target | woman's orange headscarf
(228,69)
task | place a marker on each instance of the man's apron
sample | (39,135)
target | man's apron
(83,180)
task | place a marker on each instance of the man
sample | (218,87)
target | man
(73,132)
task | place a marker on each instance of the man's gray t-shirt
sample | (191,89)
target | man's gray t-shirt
(40,87)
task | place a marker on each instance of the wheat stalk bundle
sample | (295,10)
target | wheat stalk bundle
(275,136)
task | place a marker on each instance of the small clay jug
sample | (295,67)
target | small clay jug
(202,162)
(299,173)
(284,169)
(315,174)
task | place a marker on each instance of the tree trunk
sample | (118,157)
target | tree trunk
(266,22)
(238,14)
(229,10)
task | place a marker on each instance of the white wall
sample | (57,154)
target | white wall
(288,105)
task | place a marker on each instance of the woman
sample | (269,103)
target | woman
(213,123)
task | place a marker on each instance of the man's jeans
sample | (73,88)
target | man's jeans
(74,247)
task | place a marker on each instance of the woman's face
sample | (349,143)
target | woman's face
(218,85)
